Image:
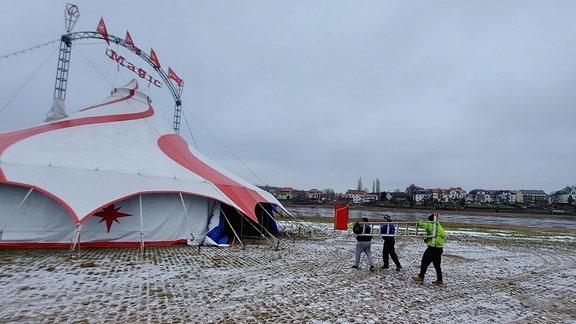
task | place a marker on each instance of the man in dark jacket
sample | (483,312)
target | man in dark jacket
(363,243)
(388,231)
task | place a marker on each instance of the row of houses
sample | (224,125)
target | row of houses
(423,196)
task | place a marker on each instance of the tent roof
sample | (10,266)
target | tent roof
(114,150)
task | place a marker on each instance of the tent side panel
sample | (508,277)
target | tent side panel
(35,219)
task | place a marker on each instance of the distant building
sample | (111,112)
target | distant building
(532,197)
(314,194)
(456,194)
(480,196)
(505,197)
(565,196)
(285,193)
(398,197)
(438,194)
(360,196)
(422,195)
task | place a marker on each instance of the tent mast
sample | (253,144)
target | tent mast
(58,109)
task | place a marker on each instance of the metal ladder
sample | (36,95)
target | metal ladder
(406,229)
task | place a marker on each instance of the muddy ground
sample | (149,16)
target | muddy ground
(490,277)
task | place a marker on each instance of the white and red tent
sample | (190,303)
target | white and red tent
(115,174)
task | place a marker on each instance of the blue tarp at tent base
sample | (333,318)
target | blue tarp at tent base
(217,233)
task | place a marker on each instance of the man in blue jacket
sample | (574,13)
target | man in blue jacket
(388,231)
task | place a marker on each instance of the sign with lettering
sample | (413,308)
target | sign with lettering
(130,66)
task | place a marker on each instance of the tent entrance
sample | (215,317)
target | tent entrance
(247,228)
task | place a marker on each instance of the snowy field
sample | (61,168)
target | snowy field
(489,278)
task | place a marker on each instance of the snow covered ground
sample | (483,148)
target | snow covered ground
(490,278)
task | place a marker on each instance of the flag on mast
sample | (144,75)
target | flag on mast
(172,75)
(102,30)
(130,42)
(154,58)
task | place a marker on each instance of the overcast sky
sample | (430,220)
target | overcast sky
(317,94)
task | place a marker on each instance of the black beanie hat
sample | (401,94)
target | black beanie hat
(431,217)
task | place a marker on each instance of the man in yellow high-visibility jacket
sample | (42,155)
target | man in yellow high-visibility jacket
(433,253)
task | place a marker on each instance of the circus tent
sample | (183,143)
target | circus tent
(114,174)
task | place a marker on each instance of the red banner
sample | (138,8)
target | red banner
(154,58)
(102,30)
(130,42)
(341,217)
(174,77)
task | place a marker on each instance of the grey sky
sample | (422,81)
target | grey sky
(316,94)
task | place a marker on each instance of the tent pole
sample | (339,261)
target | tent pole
(187,216)
(299,223)
(20,205)
(262,228)
(75,241)
(233,231)
(141,228)
(26,197)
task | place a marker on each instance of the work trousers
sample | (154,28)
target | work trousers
(432,255)
(388,251)
(364,246)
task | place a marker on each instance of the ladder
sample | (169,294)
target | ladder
(406,229)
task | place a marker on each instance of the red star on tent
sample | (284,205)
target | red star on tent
(110,214)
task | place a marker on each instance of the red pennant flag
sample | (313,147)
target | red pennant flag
(154,58)
(174,77)
(131,43)
(102,30)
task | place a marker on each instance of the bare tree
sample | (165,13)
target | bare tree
(377,185)
(411,190)
(359,187)
(328,194)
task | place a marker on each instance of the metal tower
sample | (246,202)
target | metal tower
(58,109)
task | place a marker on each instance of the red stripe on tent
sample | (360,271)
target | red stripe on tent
(9,139)
(176,148)
(56,245)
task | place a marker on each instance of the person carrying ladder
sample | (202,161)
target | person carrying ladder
(433,253)
(388,231)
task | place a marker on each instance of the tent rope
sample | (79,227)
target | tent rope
(224,145)
(28,49)
(299,223)
(28,81)
(77,48)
